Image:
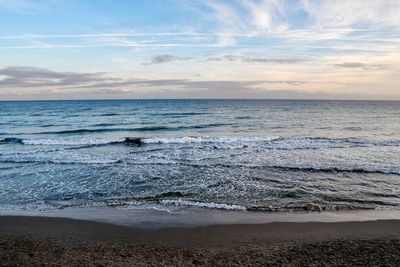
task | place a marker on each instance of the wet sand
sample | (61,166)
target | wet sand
(59,241)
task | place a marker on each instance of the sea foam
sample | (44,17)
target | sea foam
(206,139)
(210,205)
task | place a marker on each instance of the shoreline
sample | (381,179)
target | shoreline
(155,217)
(61,241)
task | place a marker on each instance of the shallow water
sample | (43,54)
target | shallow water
(262,155)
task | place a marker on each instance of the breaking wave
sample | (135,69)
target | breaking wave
(206,139)
(70,142)
(271,142)
(295,207)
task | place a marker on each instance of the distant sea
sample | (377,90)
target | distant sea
(250,155)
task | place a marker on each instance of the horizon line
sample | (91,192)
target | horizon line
(224,99)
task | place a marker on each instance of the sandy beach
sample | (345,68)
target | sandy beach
(60,241)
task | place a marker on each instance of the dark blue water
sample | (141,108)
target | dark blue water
(263,155)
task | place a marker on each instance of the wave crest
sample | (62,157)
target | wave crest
(266,142)
(206,139)
(70,142)
(209,205)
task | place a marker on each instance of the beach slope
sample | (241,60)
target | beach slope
(58,241)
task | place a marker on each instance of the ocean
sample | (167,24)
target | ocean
(246,155)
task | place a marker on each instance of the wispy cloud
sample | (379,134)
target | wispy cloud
(364,66)
(27,6)
(166,58)
(20,6)
(246,59)
(247,17)
(306,40)
(105,34)
(354,13)
(342,18)
(228,21)
(160,59)
(266,15)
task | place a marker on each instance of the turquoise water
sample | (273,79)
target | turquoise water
(261,155)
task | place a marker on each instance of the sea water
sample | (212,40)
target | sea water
(249,155)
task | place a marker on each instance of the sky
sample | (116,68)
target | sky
(274,49)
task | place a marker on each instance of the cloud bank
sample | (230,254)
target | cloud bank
(47,84)
(38,77)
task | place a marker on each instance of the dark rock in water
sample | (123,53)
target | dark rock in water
(133,141)
(10,140)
